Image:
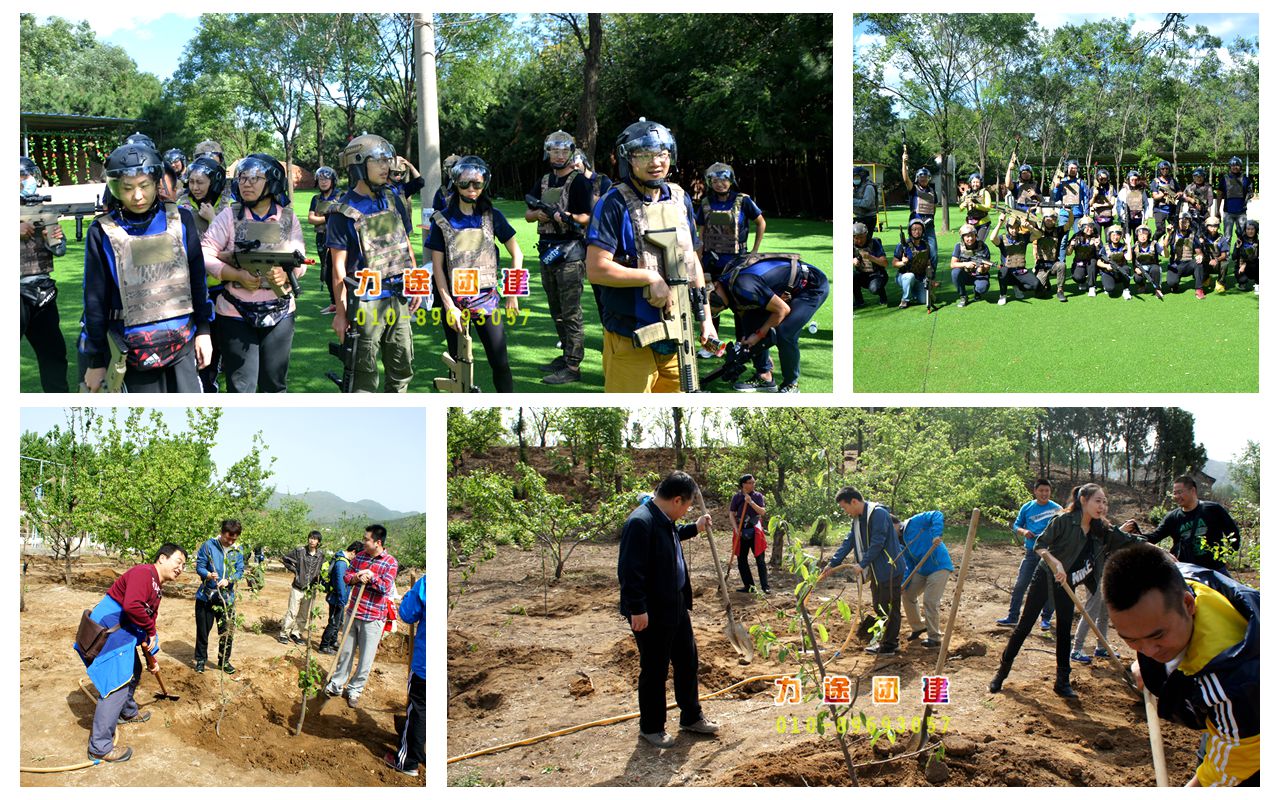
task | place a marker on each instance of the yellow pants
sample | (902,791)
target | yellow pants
(628,368)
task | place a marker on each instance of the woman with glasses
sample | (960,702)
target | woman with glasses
(256,311)
(465,236)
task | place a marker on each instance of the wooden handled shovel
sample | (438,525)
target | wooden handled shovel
(151,664)
(1093,626)
(1157,740)
(734,631)
(346,627)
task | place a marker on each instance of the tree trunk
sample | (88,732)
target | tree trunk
(677,418)
(524,450)
(587,127)
(319,133)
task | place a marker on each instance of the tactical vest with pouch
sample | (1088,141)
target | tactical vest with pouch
(1203,195)
(383,242)
(1028,195)
(926,201)
(1084,247)
(974,216)
(918,261)
(272,235)
(864,259)
(1136,202)
(796,280)
(1249,250)
(1183,247)
(657,215)
(155,282)
(1115,254)
(557,196)
(1103,205)
(1047,246)
(323,207)
(34,258)
(1070,193)
(720,233)
(973,255)
(1015,252)
(1234,187)
(470,248)
(1146,257)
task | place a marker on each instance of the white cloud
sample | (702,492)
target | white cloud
(106,21)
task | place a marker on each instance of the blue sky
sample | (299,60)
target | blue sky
(389,465)
(153,38)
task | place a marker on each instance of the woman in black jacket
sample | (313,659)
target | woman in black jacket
(1073,548)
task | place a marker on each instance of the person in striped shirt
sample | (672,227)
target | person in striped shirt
(374,569)
(1197,635)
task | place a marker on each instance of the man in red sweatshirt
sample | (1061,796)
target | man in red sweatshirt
(132,605)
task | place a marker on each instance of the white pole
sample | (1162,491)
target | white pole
(424,49)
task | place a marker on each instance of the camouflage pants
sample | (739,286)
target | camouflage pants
(386,331)
(563,285)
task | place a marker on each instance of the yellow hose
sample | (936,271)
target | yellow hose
(82,764)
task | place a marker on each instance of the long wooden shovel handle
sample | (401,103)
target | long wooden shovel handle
(346,627)
(920,563)
(1093,626)
(1157,740)
(150,661)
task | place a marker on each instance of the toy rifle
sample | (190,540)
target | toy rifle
(736,358)
(346,352)
(681,321)
(536,204)
(1060,172)
(461,378)
(977,266)
(251,258)
(41,212)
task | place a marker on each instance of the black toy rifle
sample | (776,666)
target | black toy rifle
(346,352)
(736,358)
(251,258)
(536,204)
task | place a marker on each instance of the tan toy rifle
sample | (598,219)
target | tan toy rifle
(251,258)
(681,322)
(41,213)
(461,378)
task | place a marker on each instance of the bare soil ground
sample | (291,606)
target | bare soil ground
(178,746)
(519,668)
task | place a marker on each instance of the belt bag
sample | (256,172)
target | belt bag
(266,314)
(572,250)
(92,637)
(39,293)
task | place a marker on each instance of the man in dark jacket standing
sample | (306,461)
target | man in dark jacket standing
(1203,531)
(656,599)
(874,542)
(1197,634)
(306,564)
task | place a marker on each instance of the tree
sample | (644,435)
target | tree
(60,484)
(589,44)
(64,69)
(1177,451)
(472,432)
(1246,472)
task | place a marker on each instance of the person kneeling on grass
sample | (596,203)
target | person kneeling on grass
(128,614)
(376,569)
(970,265)
(916,264)
(1197,634)
(1245,256)
(1013,244)
(772,291)
(1074,545)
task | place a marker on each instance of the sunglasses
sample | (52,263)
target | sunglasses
(470,184)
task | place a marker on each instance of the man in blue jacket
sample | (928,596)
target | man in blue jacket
(413,739)
(656,600)
(928,576)
(874,543)
(337,597)
(1032,519)
(219,564)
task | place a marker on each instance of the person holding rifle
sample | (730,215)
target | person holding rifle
(1071,192)
(977,203)
(923,202)
(1165,197)
(256,313)
(1233,194)
(630,266)
(970,265)
(1212,257)
(1181,244)
(870,266)
(1051,251)
(1102,199)
(219,563)
(1245,256)
(916,265)
(1018,235)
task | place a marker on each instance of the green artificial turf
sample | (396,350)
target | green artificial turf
(529,343)
(1098,344)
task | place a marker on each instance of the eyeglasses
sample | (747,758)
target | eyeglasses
(651,155)
(250,180)
(470,185)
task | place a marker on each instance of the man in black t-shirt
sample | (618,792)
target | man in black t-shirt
(1203,531)
(746,508)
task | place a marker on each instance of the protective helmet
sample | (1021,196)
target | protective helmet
(1163,165)
(1142,229)
(28,168)
(1027,169)
(861,172)
(1049,217)
(720,171)
(174,154)
(975,177)
(216,172)
(1016,223)
(449,161)
(129,160)
(1103,173)
(1133,173)
(327,172)
(1071,162)
(1184,215)
(270,169)
(1088,220)
(915,222)
(211,149)
(1200,171)
(923,172)
(359,151)
(1235,161)
(1115,229)
(557,140)
(1212,221)
(140,138)
(470,165)
(640,136)
(860,229)
(967,229)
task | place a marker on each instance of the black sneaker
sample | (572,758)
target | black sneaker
(562,376)
(881,649)
(931,643)
(199,666)
(558,363)
(1062,688)
(227,668)
(916,635)
(296,639)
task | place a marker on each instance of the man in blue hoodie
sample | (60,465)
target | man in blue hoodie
(874,542)
(413,739)
(927,576)
(219,564)
(337,597)
(1032,519)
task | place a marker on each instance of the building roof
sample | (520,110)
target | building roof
(46,123)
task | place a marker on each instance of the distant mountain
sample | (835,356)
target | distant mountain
(1219,471)
(328,507)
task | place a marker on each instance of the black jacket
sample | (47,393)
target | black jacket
(648,572)
(1198,534)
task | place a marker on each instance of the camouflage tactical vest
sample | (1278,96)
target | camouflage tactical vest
(1146,256)
(750,260)
(1203,195)
(1084,247)
(155,283)
(557,196)
(918,261)
(1070,192)
(323,207)
(1136,201)
(1166,187)
(383,242)
(1183,247)
(1047,245)
(34,257)
(470,248)
(1249,249)
(926,201)
(1028,195)
(657,215)
(272,235)
(720,232)
(1115,253)
(1102,204)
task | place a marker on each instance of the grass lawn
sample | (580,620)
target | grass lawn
(529,345)
(1097,344)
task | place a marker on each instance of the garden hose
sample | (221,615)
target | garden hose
(82,764)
